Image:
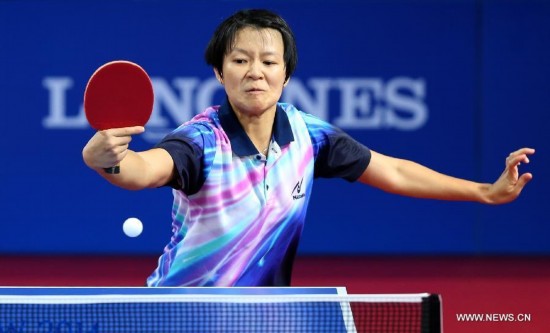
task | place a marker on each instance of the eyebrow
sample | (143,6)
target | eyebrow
(237,49)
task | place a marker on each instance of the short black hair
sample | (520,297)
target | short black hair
(224,36)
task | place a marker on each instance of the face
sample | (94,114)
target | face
(254,71)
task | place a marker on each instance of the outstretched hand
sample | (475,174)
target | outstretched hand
(510,184)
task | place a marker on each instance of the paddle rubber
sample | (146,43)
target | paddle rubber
(118,94)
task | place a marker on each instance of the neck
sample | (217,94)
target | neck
(258,128)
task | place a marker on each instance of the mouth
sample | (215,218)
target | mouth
(254,90)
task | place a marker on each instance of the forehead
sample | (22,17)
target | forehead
(258,38)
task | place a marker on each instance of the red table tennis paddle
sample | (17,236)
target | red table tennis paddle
(118,94)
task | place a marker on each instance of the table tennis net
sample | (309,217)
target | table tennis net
(408,313)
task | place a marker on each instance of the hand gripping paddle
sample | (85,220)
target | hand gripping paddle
(118,94)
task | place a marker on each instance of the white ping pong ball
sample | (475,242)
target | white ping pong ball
(132,227)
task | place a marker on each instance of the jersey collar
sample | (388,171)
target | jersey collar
(240,142)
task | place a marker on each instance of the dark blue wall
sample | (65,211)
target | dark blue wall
(455,85)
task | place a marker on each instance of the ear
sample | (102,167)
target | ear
(286,82)
(219,76)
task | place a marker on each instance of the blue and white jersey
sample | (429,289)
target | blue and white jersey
(238,214)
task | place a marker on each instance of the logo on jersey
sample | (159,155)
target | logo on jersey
(297,191)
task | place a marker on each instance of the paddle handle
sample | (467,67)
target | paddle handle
(112,170)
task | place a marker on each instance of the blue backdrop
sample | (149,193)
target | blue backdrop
(454,85)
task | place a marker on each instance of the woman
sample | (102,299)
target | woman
(242,172)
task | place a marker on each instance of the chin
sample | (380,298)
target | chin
(257,109)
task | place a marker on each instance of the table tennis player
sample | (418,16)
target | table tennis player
(242,172)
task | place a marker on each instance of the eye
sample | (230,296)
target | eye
(269,62)
(239,61)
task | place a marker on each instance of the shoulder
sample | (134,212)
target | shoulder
(204,124)
(319,130)
(313,123)
(310,119)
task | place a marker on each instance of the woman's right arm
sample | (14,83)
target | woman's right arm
(138,170)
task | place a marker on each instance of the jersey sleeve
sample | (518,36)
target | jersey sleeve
(336,153)
(192,148)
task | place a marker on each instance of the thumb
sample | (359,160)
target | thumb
(524,179)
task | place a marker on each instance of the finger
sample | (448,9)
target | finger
(515,160)
(121,140)
(110,141)
(125,131)
(115,156)
(117,150)
(522,151)
(527,151)
(523,180)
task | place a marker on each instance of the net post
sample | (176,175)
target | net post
(431,314)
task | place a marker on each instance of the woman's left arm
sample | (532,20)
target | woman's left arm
(408,178)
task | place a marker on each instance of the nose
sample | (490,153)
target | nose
(255,70)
